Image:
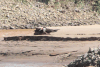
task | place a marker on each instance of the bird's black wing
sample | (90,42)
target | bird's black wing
(51,30)
(55,30)
(38,29)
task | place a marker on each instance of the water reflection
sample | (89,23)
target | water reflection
(16,32)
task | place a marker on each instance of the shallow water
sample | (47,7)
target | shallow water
(13,64)
(19,65)
(16,32)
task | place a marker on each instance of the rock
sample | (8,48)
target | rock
(53,54)
(62,11)
(12,27)
(77,10)
(89,50)
(0,27)
(29,26)
(9,27)
(89,59)
(37,14)
(4,27)
(64,54)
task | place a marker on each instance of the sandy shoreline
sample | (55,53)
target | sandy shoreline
(65,31)
(46,53)
(45,48)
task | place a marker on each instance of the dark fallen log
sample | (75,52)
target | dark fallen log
(49,38)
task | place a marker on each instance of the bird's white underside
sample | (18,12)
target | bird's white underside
(44,29)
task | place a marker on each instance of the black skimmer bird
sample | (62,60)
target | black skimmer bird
(44,30)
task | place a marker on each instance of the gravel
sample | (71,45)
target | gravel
(17,15)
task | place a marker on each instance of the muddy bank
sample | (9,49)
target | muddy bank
(62,52)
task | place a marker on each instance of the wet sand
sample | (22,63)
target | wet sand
(39,52)
(65,31)
(46,53)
